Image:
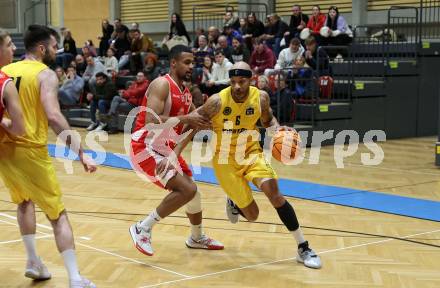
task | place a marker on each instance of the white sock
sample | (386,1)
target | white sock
(29,244)
(151,220)
(299,237)
(69,258)
(196,231)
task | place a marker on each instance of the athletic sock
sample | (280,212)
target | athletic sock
(69,258)
(151,220)
(196,231)
(29,244)
(299,236)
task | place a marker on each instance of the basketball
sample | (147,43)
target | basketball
(287,140)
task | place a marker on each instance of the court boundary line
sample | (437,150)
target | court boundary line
(284,260)
(98,249)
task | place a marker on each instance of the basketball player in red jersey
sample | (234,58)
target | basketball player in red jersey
(169,101)
(9,100)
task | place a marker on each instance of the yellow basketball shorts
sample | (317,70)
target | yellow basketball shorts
(234,178)
(28,173)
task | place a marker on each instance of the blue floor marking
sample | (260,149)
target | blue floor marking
(381,202)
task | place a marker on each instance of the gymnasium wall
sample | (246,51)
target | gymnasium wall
(83,18)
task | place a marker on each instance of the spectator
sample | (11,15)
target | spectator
(205,87)
(80,65)
(220,72)
(202,51)
(282,100)
(122,47)
(255,27)
(119,26)
(243,25)
(199,32)
(151,70)
(89,49)
(140,45)
(312,57)
(239,51)
(60,75)
(107,31)
(69,50)
(316,22)
(339,34)
(223,45)
(111,63)
(70,92)
(298,21)
(213,34)
(262,58)
(93,68)
(100,100)
(275,34)
(231,20)
(230,33)
(127,100)
(177,28)
(287,57)
(263,84)
(134,26)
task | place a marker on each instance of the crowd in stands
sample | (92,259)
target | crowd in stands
(276,51)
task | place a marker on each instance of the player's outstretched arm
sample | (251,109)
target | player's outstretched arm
(211,107)
(49,99)
(15,125)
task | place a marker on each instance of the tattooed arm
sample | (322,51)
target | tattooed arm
(211,107)
(267,119)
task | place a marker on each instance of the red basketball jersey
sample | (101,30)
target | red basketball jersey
(178,103)
(4,79)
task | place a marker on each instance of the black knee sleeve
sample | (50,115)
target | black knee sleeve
(288,216)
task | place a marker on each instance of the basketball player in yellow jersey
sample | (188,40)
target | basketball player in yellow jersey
(236,110)
(25,166)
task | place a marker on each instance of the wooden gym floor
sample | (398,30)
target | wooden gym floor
(359,248)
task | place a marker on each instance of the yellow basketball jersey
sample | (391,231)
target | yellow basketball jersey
(236,122)
(25,75)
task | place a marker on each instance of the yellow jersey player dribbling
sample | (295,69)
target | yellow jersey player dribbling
(237,160)
(25,166)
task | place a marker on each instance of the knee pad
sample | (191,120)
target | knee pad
(195,205)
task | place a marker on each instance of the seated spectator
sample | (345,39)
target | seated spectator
(220,73)
(119,26)
(127,100)
(262,58)
(100,100)
(243,25)
(287,57)
(303,81)
(122,47)
(89,49)
(93,68)
(60,75)
(231,20)
(255,28)
(298,21)
(202,51)
(313,57)
(205,87)
(282,100)
(231,33)
(71,90)
(151,70)
(338,34)
(80,65)
(263,84)
(111,63)
(316,22)
(213,34)
(69,50)
(107,31)
(199,32)
(177,28)
(239,51)
(140,45)
(226,49)
(275,33)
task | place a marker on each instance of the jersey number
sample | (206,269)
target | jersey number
(237,120)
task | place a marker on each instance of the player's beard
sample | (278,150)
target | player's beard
(48,59)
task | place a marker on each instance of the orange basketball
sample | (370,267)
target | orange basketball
(289,141)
